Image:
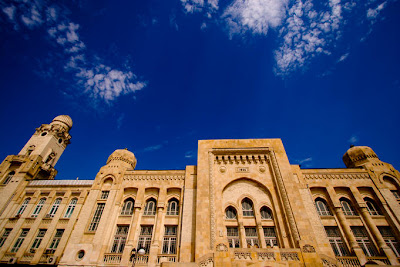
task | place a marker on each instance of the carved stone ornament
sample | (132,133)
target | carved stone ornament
(262,169)
(222,169)
(222,247)
(308,249)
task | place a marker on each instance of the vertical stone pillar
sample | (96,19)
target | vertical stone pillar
(155,244)
(260,233)
(349,235)
(134,227)
(242,235)
(378,237)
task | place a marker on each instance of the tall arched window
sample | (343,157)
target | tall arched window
(23,206)
(54,208)
(150,208)
(372,207)
(247,207)
(127,209)
(266,213)
(230,213)
(10,175)
(38,208)
(322,207)
(348,209)
(173,207)
(70,208)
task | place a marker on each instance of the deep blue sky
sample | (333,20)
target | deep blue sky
(156,76)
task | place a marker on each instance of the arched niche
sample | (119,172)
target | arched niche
(107,182)
(130,191)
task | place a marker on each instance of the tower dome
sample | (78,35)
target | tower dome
(123,156)
(359,155)
(63,120)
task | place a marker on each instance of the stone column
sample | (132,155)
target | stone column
(349,235)
(377,236)
(242,235)
(260,233)
(130,242)
(156,240)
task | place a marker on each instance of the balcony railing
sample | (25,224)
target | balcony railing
(267,254)
(112,258)
(166,258)
(349,261)
(377,258)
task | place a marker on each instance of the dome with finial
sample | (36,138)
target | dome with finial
(124,156)
(63,120)
(359,155)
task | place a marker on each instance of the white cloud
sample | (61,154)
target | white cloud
(189,154)
(353,139)
(208,6)
(372,13)
(10,12)
(304,160)
(256,16)
(153,148)
(343,57)
(33,18)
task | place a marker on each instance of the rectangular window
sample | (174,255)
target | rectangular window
(270,236)
(169,244)
(56,240)
(336,241)
(38,239)
(104,194)
(3,238)
(390,240)
(70,208)
(96,217)
(54,208)
(363,240)
(251,237)
(146,232)
(233,237)
(120,239)
(20,240)
(23,207)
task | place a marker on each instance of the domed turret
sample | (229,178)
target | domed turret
(358,156)
(123,156)
(64,120)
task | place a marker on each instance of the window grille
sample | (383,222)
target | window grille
(173,207)
(322,208)
(270,236)
(251,236)
(96,217)
(71,207)
(266,213)
(247,207)
(233,237)
(390,239)
(336,241)
(56,240)
(127,209)
(3,238)
(348,210)
(230,213)
(150,208)
(10,175)
(372,208)
(363,241)
(55,207)
(104,194)
(38,207)
(20,240)
(120,239)
(23,206)
(38,239)
(145,238)
(169,244)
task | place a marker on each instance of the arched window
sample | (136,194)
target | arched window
(23,206)
(371,206)
(54,208)
(247,207)
(9,177)
(348,209)
(127,209)
(70,208)
(322,207)
(173,207)
(150,208)
(230,213)
(30,150)
(266,213)
(38,208)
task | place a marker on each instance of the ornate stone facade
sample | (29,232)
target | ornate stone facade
(243,204)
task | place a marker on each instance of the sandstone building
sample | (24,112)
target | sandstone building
(243,204)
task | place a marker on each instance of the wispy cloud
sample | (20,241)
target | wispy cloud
(208,6)
(353,139)
(120,120)
(189,154)
(343,57)
(372,13)
(153,148)
(97,79)
(304,160)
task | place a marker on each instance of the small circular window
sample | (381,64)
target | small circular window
(81,254)
(43,134)
(60,141)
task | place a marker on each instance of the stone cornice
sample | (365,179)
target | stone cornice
(312,176)
(153,177)
(241,155)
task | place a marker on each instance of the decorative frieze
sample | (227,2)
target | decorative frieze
(240,156)
(290,256)
(153,177)
(266,256)
(314,176)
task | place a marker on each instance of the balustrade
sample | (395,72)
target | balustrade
(166,258)
(112,258)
